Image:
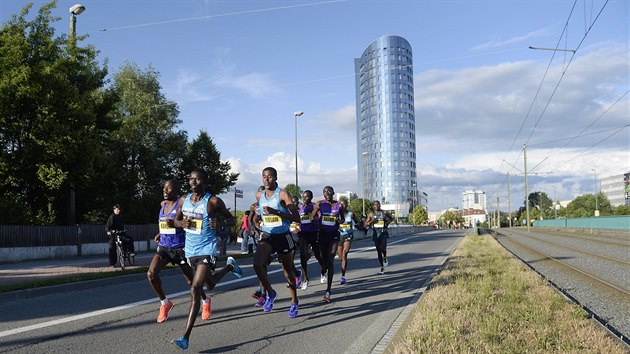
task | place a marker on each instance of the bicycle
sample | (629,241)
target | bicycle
(123,255)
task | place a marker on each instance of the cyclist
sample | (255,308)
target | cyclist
(116,223)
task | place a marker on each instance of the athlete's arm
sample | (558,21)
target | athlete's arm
(217,206)
(293,214)
(370,220)
(179,216)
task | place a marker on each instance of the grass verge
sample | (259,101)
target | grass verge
(485,300)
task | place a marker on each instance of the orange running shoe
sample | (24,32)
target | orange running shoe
(164,309)
(206,312)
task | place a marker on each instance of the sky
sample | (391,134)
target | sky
(240,69)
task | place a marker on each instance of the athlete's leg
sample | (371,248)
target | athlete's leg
(196,288)
(331,247)
(343,255)
(214,278)
(261,260)
(304,257)
(153,275)
(189,274)
(288,267)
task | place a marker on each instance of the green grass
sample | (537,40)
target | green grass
(484,300)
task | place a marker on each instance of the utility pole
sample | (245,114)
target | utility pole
(509,207)
(498,213)
(526,184)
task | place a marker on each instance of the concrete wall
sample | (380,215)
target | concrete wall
(17,254)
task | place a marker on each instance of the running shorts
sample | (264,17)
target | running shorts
(208,260)
(175,256)
(281,243)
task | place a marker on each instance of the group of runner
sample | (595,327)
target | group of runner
(188,238)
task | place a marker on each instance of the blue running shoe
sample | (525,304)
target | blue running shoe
(236,270)
(298,278)
(293,310)
(342,280)
(268,306)
(181,343)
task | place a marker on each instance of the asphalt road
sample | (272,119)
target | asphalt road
(120,317)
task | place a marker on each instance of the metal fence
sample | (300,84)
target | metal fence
(621,222)
(43,236)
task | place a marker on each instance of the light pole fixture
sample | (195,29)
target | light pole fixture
(596,203)
(296,114)
(75,10)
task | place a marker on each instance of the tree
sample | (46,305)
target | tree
(418,215)
(584,206)
(294,191)
(52,115)
(358,205)
(203,153)
(451,218)
(622,210)
(146,147)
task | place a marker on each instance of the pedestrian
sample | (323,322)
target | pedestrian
(326,215)
(378,220)
(171,249)
(197,215)
(244,232)
(277,211)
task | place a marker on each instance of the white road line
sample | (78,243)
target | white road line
(144,302)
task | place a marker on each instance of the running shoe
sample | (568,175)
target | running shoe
(236,270)
(268,306)
(385,262)
(206,310)
(293,310)
(327,296)
(164,309)
(257,294)
(261,301)
(382,271)
(342,280)
(298,278)
(324,278)
(181,343)
(305,285)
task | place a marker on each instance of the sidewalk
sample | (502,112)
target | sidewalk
(38,270)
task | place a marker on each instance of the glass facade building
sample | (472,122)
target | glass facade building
(386,125)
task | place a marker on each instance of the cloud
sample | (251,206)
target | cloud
(517,39)
(257,85)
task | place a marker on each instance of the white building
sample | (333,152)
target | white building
(474,200)
(614,188)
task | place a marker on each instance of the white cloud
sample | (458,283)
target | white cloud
(517,39)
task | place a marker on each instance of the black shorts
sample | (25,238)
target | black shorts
(377,236)
(324,238)
(346,237)
(209,260)
(174,255)
(308,237)
(281,243)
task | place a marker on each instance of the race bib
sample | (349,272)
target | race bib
(329,220)
(194,226)
(379,224)
(272,220)
(165,229)
(344,226)
(305,219)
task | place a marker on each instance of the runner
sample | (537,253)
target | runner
(197,215)
(379,220)
(308,237)
(171,249)
(278,211)
(326,215)
(346,236)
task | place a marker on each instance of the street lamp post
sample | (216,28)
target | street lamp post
(296,114)
(75,10)
(596,203)
(363,178)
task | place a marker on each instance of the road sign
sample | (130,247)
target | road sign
(238,193)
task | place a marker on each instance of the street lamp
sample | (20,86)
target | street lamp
(75,10)
(596,203)
(296,114)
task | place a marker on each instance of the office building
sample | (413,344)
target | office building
(616,189)
(386,138)
(474,200)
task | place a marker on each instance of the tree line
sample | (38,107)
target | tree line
(73,141)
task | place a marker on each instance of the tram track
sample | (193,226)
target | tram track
(605,298)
